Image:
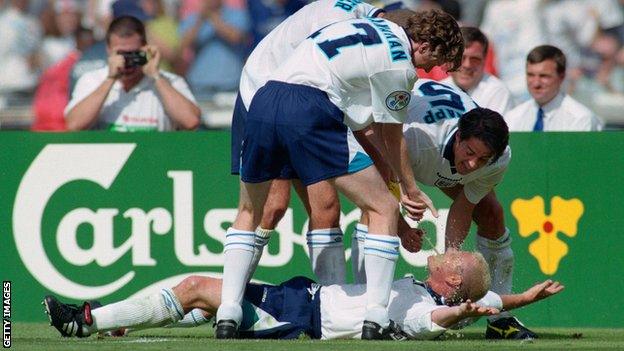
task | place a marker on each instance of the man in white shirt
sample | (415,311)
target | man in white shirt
(485,89)
(550,109)
(131,94)
(350,74)
(421,310)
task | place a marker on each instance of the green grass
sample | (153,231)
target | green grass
(40,337)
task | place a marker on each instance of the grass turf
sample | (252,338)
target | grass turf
(41,337)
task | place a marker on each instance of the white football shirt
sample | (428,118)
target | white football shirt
(429,132)
(363,65)
(343,309)
(280,43)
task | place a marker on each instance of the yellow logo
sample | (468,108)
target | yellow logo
(548,249)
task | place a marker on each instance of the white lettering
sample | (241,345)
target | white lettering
(55,166)
(157,220)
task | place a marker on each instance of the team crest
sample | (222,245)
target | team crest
(398,100)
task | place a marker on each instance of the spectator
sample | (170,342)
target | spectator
(218,35)
(550,109)
(96,56)
(21,37)
(131,95)
(162,31)
(514,27)
(98,15)
(485,89)
(59,44)
(52,94)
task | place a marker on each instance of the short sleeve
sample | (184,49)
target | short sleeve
(391,94)
(85,86)
(478,188)
(421,326)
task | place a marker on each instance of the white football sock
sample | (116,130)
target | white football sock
(381,253)
(327,255)
(500,258)
(192,319)
(239,252)
(151,311)
(260,241)
(357,253)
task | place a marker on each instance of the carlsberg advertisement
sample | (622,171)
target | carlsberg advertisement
(107,216)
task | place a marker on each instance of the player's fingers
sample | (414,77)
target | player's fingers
(434,211)
(416,217)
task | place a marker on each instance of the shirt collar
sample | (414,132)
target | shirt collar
(439,299)
(551,105)
(447,151)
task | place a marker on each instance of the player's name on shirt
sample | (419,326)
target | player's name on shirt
(397,51)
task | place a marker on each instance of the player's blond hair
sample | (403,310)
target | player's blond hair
(476,280)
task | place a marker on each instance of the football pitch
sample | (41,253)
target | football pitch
(41,337)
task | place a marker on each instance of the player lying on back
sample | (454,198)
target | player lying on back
(418,309)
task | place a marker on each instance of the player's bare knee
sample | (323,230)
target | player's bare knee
(385,206)
(191,285)
(272,215)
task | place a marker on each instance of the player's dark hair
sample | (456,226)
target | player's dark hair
(487,126)
(126,26)
(475,35)
(548,52)
(440,31)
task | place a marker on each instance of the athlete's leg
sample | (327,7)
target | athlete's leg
(494,242)
(239,249)
(325,243)
(274,209)
(368,191)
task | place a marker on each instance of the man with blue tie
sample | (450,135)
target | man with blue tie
(550,108)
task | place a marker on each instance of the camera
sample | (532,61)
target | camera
(134,58)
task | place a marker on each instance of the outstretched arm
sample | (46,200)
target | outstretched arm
(449,316)
(538,292)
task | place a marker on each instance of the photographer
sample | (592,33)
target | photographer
(131,94)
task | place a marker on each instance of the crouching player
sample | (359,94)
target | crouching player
(418,309)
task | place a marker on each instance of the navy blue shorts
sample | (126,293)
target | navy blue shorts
(283,311)
(296,126)
(236,142)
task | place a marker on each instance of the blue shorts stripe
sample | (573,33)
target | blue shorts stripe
(391,242)
(239,234)
(238,243)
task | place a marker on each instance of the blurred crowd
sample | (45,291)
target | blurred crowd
(46,45)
